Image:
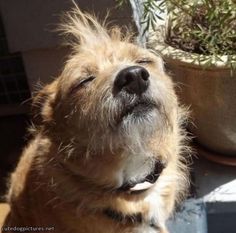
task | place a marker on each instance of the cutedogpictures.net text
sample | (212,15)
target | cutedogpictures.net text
(28,229)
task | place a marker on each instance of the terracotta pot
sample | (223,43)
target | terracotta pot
(210,91)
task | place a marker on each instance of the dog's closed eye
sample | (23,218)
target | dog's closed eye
(77,85)
(144,61)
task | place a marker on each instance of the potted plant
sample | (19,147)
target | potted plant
(198,44)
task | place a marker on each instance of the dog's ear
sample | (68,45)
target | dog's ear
(42,104)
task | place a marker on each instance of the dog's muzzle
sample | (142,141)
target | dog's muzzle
(144,184)
(131,87)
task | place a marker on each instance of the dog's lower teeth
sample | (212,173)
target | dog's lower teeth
(141,186)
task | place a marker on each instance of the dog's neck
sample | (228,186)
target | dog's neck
(132,219)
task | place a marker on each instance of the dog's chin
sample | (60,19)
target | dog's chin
(140,111)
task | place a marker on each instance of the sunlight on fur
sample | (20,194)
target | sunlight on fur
(109,151)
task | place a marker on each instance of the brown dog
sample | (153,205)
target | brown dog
(107,150)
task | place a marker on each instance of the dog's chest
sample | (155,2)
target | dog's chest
(149,219)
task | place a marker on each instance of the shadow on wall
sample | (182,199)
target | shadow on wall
(12,140)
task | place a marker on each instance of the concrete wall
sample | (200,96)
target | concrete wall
(30,29)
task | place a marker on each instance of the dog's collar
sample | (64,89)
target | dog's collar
(133,219)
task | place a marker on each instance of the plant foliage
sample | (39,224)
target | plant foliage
(201,26)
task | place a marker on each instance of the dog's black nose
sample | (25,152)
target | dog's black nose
(133,79)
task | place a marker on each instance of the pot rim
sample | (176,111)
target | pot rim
(206,62)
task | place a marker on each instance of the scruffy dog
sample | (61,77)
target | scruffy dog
(107,150)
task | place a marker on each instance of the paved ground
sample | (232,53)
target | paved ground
(213,210)
(4,208)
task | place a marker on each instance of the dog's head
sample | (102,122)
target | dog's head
(113,97)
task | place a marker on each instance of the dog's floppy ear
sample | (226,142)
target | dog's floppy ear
(42,104)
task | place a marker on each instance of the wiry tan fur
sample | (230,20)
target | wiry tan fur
(82,152)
